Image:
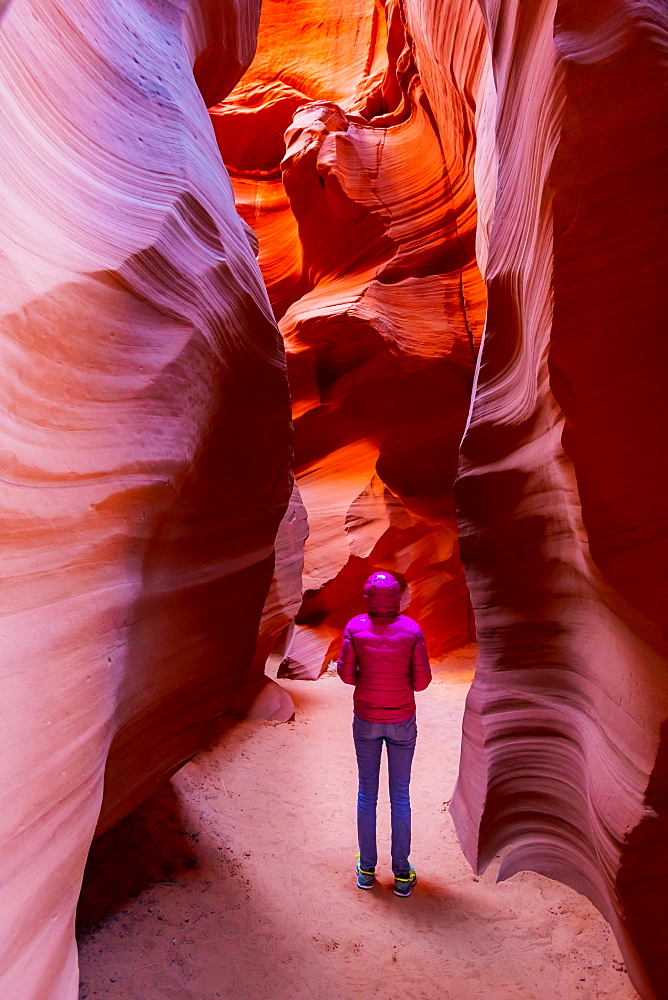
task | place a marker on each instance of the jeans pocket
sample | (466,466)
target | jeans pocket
(405,732)
(361,727)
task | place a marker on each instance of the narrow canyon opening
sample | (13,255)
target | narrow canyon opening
(293,293)
(355,178)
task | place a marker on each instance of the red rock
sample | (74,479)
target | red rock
(262,698)
(366,240)
(147,428)
(146,434)
(561,490)
(562,497)
(285,593)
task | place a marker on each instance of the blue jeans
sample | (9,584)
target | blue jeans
(399,738)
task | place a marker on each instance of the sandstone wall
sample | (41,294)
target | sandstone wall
(562,492)
(563,488)
(145,409)
(366,226)
(145,434)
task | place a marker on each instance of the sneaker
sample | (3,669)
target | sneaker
(365,879)
(404,882)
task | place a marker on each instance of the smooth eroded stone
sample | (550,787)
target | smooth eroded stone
(351,156)
(145,429)
(563,486)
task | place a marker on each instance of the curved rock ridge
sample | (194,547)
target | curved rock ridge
(366,227)
(146,435)
(562,499)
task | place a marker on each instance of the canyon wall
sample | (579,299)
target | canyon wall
(380,154)
(351,154)
(145,433)
(563,484)
(365,226)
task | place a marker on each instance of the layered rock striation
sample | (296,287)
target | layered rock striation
(561,491)
(351,156)
(562,498)
(381,154)
(145,428)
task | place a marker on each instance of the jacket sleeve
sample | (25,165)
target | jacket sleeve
(347,663)
(420,669)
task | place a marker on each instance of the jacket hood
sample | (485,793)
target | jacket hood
(382,594)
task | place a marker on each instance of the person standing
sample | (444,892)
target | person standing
(384,655)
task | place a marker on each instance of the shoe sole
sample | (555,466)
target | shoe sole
(365,886)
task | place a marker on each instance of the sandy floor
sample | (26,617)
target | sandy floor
(236,880)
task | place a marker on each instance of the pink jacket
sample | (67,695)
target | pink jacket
(384,655)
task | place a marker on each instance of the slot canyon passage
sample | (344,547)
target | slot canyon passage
(293,292)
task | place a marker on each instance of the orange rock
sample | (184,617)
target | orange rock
(366,228)
(367,250)
(147,428)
